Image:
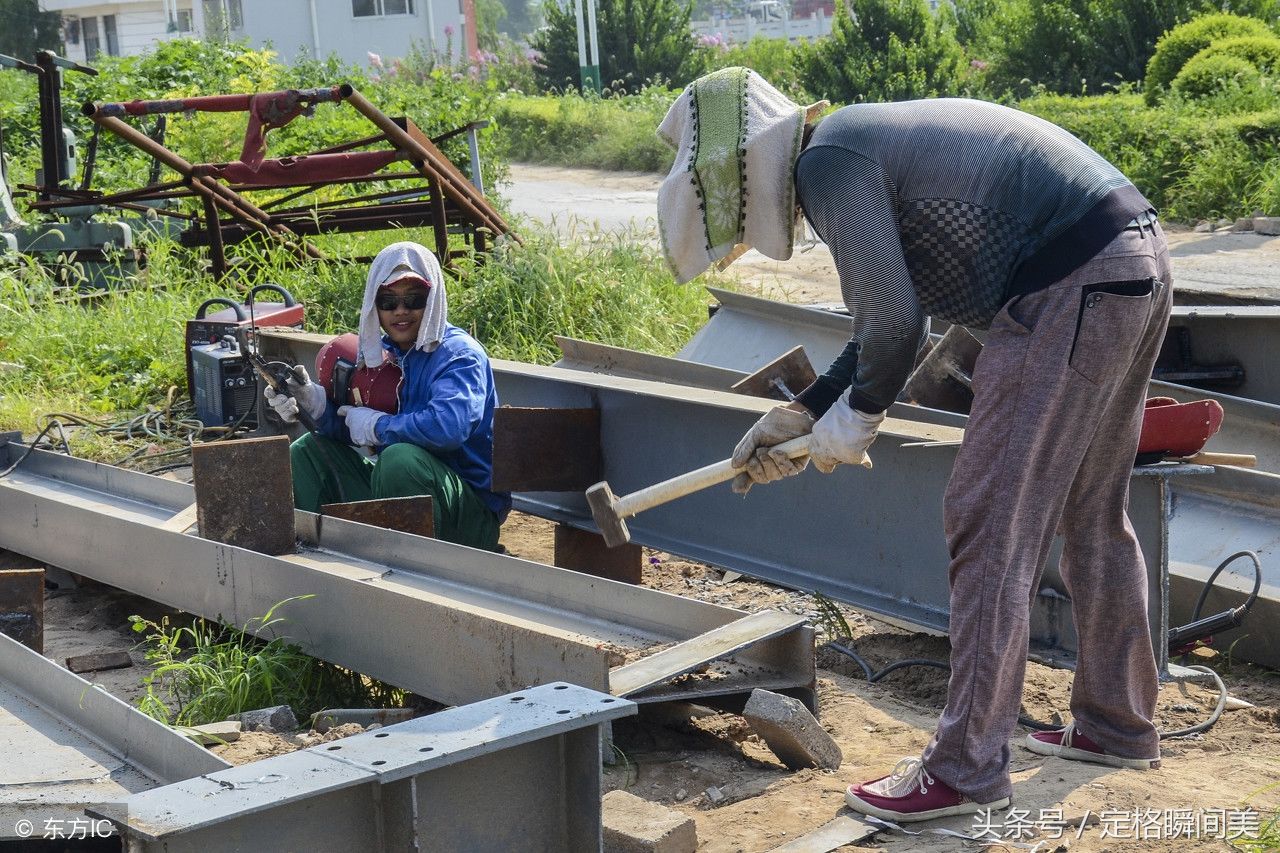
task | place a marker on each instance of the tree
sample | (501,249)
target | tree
(24,29)
(883,50)
(641,41)
(1075,46)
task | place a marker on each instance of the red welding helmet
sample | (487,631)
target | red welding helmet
(346,385)
(1178,429)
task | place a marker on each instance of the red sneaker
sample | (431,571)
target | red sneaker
(909,793)
(1074,744)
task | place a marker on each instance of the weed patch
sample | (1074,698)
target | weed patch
(207,671)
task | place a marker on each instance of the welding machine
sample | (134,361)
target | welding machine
(237,320)
(226,388)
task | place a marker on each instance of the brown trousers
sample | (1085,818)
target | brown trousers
(1051,439)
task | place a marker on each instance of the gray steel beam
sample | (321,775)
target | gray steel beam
(1247,334)
(69,744)
(519,772)
(855,535)
(479,624)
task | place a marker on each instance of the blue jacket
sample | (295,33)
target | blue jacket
(447,398)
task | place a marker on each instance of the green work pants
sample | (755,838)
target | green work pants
(401,470)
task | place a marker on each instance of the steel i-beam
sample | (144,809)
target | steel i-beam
(445,621)
(518,772)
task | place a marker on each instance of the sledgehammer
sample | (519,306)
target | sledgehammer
(610,511)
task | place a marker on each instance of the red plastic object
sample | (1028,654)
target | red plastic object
(376,387)
(1178,429)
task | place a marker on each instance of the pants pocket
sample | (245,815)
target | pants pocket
(1111,322)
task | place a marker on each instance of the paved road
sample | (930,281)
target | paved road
(1219,267)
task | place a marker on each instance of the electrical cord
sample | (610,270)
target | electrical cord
(1208,584)
(873,676)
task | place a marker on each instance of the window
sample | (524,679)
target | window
(73,30)
(181,23)
(109,29)
(89,29)
(380,8)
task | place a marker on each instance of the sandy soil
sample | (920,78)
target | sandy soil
(673,756)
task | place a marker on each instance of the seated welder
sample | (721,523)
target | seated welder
(439,441)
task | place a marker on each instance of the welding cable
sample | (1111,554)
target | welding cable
(1028,722)
(51,425)
(1217,711)
(1208,585)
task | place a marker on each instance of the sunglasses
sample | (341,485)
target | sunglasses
(415,301)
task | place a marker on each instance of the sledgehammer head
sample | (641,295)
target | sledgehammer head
(604,509)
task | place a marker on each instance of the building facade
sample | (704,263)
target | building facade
(352,29)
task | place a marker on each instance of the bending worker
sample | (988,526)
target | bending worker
(440,442)
(984,216)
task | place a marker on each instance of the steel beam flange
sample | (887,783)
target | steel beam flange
(406,786)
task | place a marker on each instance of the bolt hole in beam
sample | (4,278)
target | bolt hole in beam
(517,698)
(427,749)
(562,687)
(334,748)
(379,763)
(382,734)
(562,712)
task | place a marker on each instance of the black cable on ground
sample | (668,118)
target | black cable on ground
(48,427)
(873,676)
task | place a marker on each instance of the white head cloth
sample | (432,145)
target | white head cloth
(732,185)
(397,261)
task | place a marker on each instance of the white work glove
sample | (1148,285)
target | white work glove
(755,454)
(843,434)
(362,423)
(308,393)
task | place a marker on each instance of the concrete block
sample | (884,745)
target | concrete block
(277,719)
(322,721)
(794,735)
(1268,225)
(633,825)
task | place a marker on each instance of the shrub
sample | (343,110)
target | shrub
(1262,52)
(1181,43)
(882,50)
(641,42)
(604,133)
(1211,74)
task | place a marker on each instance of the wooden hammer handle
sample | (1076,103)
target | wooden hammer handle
(696,480)
(1208,457)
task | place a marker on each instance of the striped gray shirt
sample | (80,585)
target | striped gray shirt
(930,208)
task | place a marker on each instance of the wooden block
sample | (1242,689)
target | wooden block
(244,493)
(408,515)
(545,450)
(791,369)
(181,520)
(586,552)
(98,661)
(22,606)
(211,734)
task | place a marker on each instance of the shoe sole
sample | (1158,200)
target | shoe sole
(1070,753)
(860,805)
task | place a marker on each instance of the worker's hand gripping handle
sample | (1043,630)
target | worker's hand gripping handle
(280,385)
(697,480)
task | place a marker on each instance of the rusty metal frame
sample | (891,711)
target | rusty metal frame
(441,197)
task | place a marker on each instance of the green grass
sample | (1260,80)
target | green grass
(114,356)
(207,671)
(618,133)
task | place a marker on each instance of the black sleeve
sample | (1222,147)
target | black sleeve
(850,202)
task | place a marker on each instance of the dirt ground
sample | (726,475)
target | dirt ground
(673,757)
